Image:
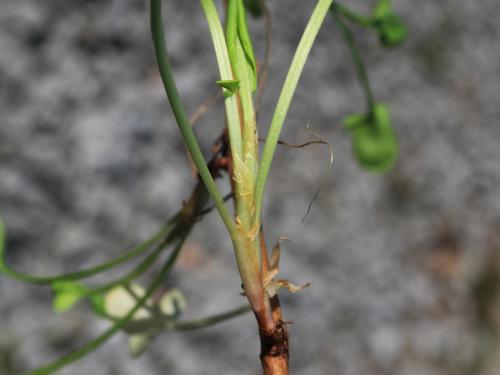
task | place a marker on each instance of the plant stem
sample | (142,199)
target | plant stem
(231,105)
(244,161)
(181,116)
(81,274)
(285,98)
(100,340)
(352,16)
(208,321)
(188,214)
(356,55)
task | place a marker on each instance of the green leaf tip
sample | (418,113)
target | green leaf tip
(391,29)
(374,141)
(230,86)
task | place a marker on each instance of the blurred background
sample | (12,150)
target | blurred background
(404,268)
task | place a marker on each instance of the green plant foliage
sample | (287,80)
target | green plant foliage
(390,27)
(237,33)
(382,9)
(66,295)
(230,86)
(392,30)
(143,313)
(373,139)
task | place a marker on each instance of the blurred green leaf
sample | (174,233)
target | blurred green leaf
(391,28)
(373,139)
(66,295)
(382,9)
(97,302)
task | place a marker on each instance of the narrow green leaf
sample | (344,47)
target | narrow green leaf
(232,30)
(246,42)
(291,81)
(237,32)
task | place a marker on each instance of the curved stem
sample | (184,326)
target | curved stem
(353,16)
(129,255)
(105,336)
(167,324)
(181,116)
(356,55)
(208,321)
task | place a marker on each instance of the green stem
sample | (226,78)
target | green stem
(167,324)
(181,116)
(226,73)
(356,55)
(244,163)
(131,254)
(209,321)
(353,16)
(132,275)
(183,223)
(285,98)
(101,339)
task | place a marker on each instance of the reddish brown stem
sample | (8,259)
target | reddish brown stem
(274,352)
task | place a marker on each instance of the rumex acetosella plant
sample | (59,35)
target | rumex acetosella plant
(143,312)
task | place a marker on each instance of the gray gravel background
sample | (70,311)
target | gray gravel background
(91,162)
